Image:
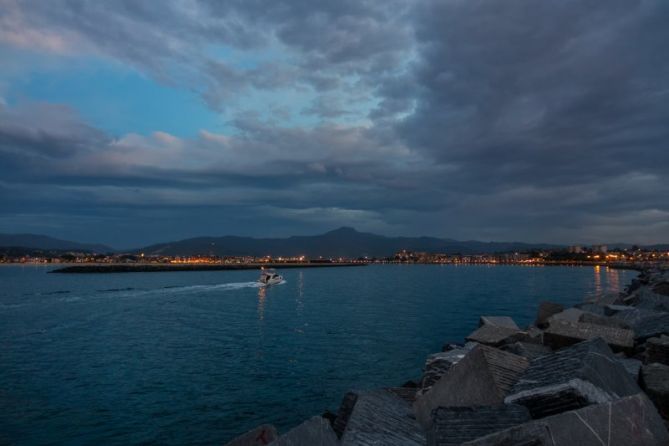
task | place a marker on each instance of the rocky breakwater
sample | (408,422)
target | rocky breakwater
(595,374)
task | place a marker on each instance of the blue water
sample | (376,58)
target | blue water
(198,357)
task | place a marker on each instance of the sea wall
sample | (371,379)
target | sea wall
(593,374)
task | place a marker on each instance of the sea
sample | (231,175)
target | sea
(200,357)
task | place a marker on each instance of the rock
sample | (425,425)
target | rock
(493,335)
(438,364)
(381,418)
(410,384)
(526,349)
(498,321)
(408,394)
(586,373)
(646,299)
(259,436)
(632,366)
(569,315)
(590,307)
(628,421)
(657,350)
(591,318)
(662,288)
(452,426)
(655,381)
(562,334)
(315,431)
(482,378)
(330,416)
(546,310)
(344,413)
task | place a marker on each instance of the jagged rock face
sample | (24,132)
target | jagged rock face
(592,318)
(586,373)
(562,334)
(493,335)
(344,413)
(260,436)
(381,418)
(655,381)
(628,421)
(482,378)
(657,350)
(316,431)
(452,426)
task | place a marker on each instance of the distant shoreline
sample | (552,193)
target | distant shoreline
(148,267)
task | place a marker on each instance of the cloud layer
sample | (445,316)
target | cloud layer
(514,120)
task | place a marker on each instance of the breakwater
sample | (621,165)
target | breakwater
(593,374)
(169,267)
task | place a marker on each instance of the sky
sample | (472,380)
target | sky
(130,122)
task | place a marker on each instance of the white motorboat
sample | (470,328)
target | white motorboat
(269,277)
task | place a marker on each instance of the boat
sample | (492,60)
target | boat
(269,277)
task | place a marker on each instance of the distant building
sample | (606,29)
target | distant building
(575,249)
(600,249)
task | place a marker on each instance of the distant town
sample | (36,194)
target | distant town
(573,255)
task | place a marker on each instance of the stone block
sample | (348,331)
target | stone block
(657,350)
(259,436)
(482,378)
(655,381)
(498,321)
(452,426)
(592,318)
(526,349)
(590,307)
(315,431)
(546,310)
(569,315)
(408,394)
(574,377)
(627,421)
(632,366)
(563,334)
(438,364)
(381,418)
(493,335)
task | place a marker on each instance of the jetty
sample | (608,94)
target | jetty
(172,267)
(594,374)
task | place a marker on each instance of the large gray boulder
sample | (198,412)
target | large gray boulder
(498,321)
(315,431)
(527,349)
(655,381)
(381,418)
(452,426)
(624,422)
(657,350)
(438,364)
(561,333)
(493,335)
(482,378)
(569,315)
(586,373)
(259,436)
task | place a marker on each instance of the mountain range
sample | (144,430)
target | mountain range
(46,243)
(342,242)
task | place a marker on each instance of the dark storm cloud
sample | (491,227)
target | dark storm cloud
(514,119)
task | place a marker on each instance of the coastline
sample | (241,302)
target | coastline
(149,267)
(576,375)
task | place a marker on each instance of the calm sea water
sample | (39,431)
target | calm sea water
(198,357)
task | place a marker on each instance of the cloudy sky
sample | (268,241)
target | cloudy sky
(131,122)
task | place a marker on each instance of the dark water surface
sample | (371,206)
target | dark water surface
(198,357)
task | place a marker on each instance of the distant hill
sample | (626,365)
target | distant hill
(43,242)
(342,242)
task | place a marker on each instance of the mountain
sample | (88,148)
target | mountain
(342,242)
(43,242)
